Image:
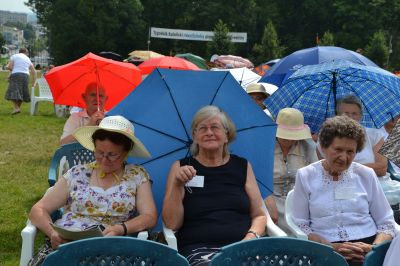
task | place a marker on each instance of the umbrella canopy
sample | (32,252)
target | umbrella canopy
(68,82)
(162,108)
(231,61)
(315,89)
(111,55)
(391,147)
(142,55)
(166,62)
(262,68)
(242,75)
(195,59)
(310,56)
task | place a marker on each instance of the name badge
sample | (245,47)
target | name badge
(197,181)
(345,193)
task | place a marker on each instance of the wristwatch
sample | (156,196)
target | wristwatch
(254,233)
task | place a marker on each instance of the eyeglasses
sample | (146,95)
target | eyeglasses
(202,129)
(112,157)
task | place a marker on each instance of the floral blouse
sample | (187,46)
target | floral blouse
(89,205)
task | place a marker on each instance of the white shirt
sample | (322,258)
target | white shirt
(75,121)
(21,63)
(352,208)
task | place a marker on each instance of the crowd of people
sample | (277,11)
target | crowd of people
(211,197)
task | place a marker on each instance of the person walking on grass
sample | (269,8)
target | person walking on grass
(20,66)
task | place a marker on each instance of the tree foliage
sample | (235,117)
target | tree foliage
(327,39)
(78,26)
(377,49)
(269,48)
(221,42)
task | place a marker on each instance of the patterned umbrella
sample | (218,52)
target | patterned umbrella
(314,90)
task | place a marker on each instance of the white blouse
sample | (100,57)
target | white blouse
(354,207)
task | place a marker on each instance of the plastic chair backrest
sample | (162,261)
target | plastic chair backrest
(296,231)
(74,153)
(44,89)
(377,255)
(278,251)
(114,251)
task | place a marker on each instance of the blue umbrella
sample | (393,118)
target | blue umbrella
(162,108)
(310,56)
(314,90)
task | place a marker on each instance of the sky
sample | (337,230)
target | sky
(14,5)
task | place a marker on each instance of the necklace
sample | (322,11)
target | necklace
(100,174)
(210,162)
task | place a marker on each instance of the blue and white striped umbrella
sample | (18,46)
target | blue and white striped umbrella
(315,89)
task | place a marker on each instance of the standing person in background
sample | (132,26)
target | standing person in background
(294,149)
(90,116)
(20,65)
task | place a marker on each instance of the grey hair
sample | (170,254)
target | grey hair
(341,127)
(349,99)
(211,111)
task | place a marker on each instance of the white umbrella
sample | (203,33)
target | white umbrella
(242,75)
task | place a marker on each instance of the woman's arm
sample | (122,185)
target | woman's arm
(172,212)
(146,219)
(257,214)
(380,164)
(272,208)
(54,199)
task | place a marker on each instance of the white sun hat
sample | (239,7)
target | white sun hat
(291,125)
(118,124)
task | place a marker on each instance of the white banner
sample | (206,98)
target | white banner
(194,35)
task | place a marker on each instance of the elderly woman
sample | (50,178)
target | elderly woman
(340,202)
(107,192)
(212,198)
(369,156)
(294,149)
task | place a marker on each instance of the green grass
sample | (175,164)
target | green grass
(27,144)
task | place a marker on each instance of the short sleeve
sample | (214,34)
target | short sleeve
(137,174)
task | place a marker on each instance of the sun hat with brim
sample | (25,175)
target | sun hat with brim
(256,87)
(291,125)
(116,124)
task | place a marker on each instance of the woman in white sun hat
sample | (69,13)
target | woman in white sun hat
(107,192)
(294,149)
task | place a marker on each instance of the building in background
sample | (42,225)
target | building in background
(13,17)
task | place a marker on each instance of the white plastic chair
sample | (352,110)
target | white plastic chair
(44,94)
(296,231)
(271,230)
(28,235)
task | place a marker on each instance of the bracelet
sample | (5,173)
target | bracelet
(125,228)
(254,233)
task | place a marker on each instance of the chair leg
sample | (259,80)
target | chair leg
(33,107)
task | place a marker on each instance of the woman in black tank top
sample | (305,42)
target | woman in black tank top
(212,198)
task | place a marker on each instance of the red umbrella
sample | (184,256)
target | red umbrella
(166,62)
(68,82)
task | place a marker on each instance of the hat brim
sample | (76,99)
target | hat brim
(84,136)
(283,133)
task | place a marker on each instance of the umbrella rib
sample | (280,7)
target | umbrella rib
(219,86)
(173,100)
(252,127)
(162,133)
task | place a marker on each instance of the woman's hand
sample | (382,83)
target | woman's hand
(185,174)
(352,251)
(114,230)
(56,240)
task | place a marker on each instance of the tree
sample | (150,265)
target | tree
(327,39)
(377,49)
(76,27)
(269,48)
(2,40)
(221,42)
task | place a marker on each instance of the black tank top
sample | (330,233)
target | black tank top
(219,213)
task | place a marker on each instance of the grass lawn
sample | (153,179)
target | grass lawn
(27,144)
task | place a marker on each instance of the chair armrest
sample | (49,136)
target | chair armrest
(272,229)
(296,231)
(28,235)
(170,237)
(144,235)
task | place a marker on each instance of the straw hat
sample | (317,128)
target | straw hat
(256,87)
(116,124)
(291,125)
